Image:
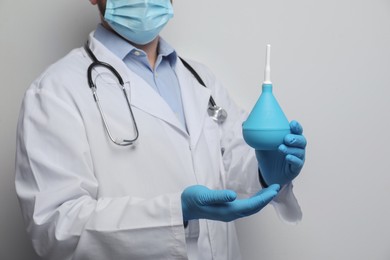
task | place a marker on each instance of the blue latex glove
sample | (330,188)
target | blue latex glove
(199,202)
(283,165)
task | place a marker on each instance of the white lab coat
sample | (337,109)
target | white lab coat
(83,197)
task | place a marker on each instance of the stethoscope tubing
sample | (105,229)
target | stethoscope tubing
(217,113)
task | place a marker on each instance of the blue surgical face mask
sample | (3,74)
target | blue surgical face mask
(139,21)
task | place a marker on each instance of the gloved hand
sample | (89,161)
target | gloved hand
(283,165)
(199,202)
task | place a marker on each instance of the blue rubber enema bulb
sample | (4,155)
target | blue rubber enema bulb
(266,125)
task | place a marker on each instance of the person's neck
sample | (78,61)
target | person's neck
(151,50)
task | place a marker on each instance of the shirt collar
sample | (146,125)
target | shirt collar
(166,50)
(121,48)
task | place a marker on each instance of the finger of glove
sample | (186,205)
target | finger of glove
(274,187)
(211,197)
(298,152)
(296,127)
(240,208)
(295,164)
(256,203)
(295,140)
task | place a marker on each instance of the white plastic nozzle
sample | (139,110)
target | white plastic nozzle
(267,72)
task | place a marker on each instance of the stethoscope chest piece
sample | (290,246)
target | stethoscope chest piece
(217,113)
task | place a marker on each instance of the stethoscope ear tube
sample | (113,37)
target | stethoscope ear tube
(96,63)
(104,65)
(89,75)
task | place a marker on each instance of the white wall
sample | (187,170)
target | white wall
(331,71)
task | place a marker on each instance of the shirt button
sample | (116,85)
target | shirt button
(137,53)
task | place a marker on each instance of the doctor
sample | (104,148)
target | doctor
(172,193)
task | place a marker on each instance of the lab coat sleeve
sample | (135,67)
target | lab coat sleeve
(58,193)
(239,160)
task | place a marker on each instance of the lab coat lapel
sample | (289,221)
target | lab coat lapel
(148,100)
(195,99)
(141,94)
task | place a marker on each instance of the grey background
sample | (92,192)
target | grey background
(331,72)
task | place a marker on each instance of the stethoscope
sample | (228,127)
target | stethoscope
(217,113)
